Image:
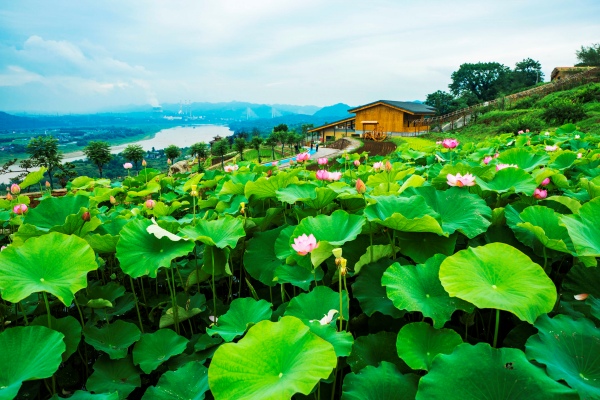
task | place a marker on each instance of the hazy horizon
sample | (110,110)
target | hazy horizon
(77,57)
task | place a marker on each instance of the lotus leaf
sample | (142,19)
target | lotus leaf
(273,361)
(153,349)
(189,382)
(419,343)
(373,349)
(584,229)
(337,228)
(221,232)
(510,179)
(242,314)
(114,375)
(113,339)
(68,326)
(54,211)
(371,294)
(316,304)
(384,382)
(408,214)
(499,276)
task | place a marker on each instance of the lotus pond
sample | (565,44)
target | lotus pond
(448,272)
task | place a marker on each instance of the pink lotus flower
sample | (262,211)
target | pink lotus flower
(581,296)
(460,180)
(496,155)
(378,165)
(86,216)
(579,155)
(322,161)
(2,248)
(547,134)
(450,143)
(335,176)
(360,186)
(521,132)
(502,166)
(305,244)
(128,165)
(150,204)
(526,130)
(356,163)
(274,163)
(545,182)
(551,148)
(487,160)
(322,175)
(302,157)
(577,137)
(20,209)
(15,189)
(540,194)
(388,166)
(231,168)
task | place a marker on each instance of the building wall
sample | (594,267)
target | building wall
(389,119)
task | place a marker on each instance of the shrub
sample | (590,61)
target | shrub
(561,111)
(514,125)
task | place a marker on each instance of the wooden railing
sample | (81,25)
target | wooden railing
(426,124)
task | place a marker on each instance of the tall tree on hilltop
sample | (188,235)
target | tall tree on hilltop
(588,56)
(172,152)
(256,142)
(272,142)
(443,102)
(239,144)
(98,152)
(219,149)
(527,73)
(199,150)
(484,80)
(43,152)
(134,153)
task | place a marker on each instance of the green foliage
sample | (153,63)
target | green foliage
(219,149)
(134,153)
(239,145)
(43,151)
(98,153)
(484,80)
(588,56)
(172,152)
(561,111)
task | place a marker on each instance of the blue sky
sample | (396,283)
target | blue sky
(83,56)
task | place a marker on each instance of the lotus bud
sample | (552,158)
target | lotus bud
(20,209)
(356,163)
(388,166)
(545,182)
(150,204)
(47,185)
(269,172)
(242,207)
(360,186)
(128,165)
(169,161)
(144,163)
(86,216)
(9,197)
(342,265)
(113,200)
(581,296)
(337,252)
(15,189)
(194,187)
(194,193)
(2,248)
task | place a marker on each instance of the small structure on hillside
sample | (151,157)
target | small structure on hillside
(377,119)
(215,140)
(559,73)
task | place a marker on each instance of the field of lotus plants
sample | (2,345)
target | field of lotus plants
(452,272)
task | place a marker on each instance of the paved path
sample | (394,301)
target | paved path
(329,153)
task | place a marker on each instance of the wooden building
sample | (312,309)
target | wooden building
(385,116)
(559,73)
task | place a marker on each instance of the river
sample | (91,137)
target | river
(181,136)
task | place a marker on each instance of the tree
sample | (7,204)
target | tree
(484,80)
(305,128)
(280,128)
(172,152)
(527,73)
(65,173)
(256,142)
(199,150)
(134,153)
(255,132)
(239,145)
(98,152)
(443,102)
(219,149)
(272,142)
(281,138)
(588,56)
(43,151)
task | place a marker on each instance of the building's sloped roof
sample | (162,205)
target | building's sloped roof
(414,108)
(318,128)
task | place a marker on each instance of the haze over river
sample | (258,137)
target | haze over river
(181,136)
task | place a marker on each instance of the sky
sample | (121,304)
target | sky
(86,56)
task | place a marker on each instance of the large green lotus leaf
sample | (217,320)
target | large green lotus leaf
(33,177)
(482,372)
(459,210)
(499,276)
(341,341)
(242,314)
(75,225)
(189,382)
(273,361)
(324,197)
(81,395)
(296,275)
(373,254)
(316,304)
(408,214)
(371,294)
(570,349)
(155,348)
(264,188)
(220,232)
(384,382)
(282,245)
(418,288)
(54,211)
(168,318)
(568,202)
(113,339)
(141,253)
(26,353)
(114,375)
(102,243)
(422,246)
(68,326)
(260,259)
(296,192)
(579,280)
(441,180)
(418,343)
(524,158)
(373,349)
(337,228)
(563,161)
(53,263)
(510,179)
(584,229)
(544,224)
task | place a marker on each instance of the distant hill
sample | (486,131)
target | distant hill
(9,121)
(336,111)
